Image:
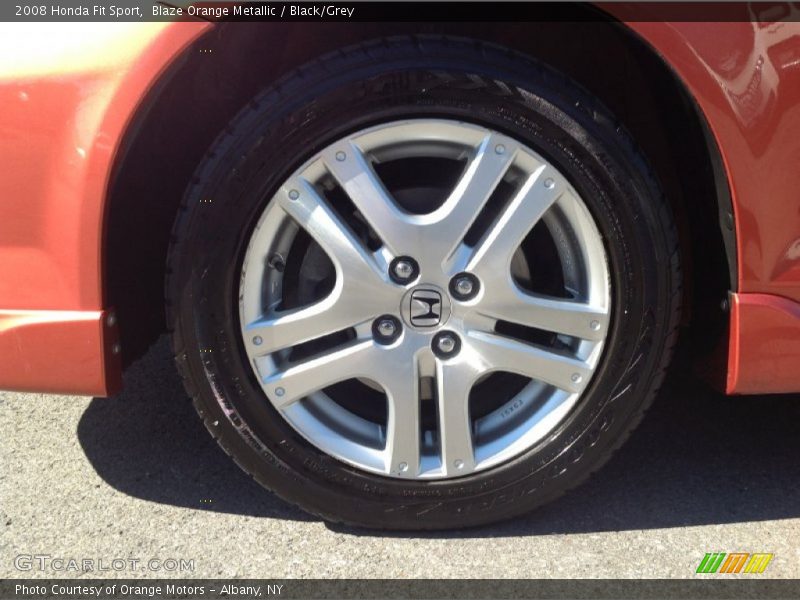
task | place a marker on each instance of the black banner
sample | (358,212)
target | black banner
(370,11)
(708,587)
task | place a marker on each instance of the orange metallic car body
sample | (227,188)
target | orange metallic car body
(70,91)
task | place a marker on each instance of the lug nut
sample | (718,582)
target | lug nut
(464,286)
(446,344)
(386,329)
(403,269)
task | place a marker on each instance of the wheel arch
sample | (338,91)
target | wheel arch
(218,74)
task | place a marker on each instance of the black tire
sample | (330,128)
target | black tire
(401,78)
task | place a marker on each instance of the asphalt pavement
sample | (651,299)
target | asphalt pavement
(137,477)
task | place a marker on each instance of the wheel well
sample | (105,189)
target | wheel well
(225,68)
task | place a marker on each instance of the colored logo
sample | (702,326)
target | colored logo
(735,562)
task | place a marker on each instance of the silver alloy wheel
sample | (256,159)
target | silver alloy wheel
(299,351)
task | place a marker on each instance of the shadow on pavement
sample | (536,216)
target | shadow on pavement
(698,458)
(149,442)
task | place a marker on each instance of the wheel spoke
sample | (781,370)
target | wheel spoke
(568,317)
(289,328)
(451,221)
(401,384)
(454,382)
(367,192)
(504,354)
(311,212)
(493,253)
(298,380)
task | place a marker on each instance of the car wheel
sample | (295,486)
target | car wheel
(423,283)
